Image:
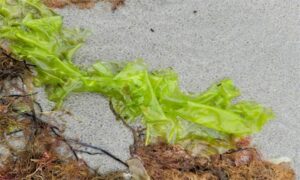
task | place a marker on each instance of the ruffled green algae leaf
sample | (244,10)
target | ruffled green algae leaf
(36,34)
(172,114)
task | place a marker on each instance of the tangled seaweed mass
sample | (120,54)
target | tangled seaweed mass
(32,148)
(35,33)
(167,162)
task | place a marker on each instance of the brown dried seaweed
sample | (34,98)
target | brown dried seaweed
(82,4)
(164,161)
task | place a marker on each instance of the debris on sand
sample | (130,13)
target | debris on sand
(32,31)
(167,162)
(45,153)
(82,4)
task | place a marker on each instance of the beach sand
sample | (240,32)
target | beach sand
(255,43)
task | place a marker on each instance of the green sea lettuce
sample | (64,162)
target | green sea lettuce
(36,34)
